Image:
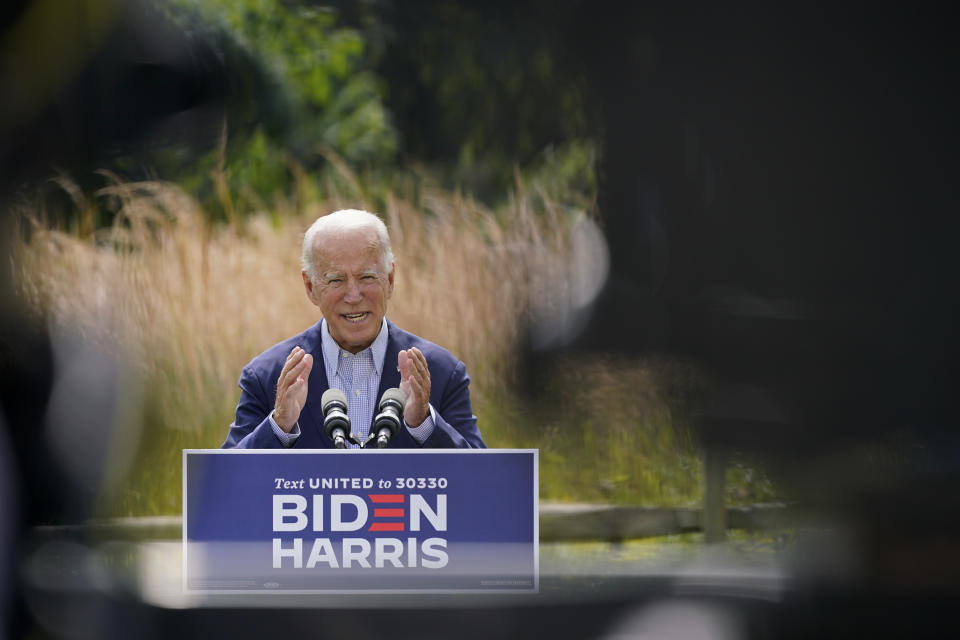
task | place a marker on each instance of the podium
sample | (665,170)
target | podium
(374,521)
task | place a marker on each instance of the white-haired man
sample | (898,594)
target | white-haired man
(348,272)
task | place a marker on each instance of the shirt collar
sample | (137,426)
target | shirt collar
(331,350)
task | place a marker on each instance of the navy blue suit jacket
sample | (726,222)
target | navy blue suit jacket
(455,426)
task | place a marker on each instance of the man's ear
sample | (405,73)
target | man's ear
(308,286)
(393,271)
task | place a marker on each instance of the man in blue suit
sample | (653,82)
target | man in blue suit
(348,272)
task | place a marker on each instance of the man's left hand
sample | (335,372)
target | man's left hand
(415,382)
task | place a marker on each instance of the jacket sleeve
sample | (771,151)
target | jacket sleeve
(251,428)
(455,426)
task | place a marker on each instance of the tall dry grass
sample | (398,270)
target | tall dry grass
(172,293)
(186,304)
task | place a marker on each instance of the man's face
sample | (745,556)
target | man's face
(351,286)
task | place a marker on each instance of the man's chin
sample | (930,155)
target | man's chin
(354,338)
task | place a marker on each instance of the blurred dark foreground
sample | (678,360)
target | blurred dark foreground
(779,205)
(748,588)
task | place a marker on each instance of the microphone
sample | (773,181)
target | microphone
(336,422)
(388,421)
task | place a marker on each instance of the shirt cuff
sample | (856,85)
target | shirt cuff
(286,439)
(425,430)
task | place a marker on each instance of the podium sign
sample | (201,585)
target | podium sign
(323,521)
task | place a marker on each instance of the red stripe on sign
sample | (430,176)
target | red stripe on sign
(386,497)
(388,513)
(386,526)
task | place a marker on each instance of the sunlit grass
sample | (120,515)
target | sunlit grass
(187,304)
(660,551)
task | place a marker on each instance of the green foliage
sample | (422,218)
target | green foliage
(326,100)
(607,432)
(322,66)
(567,172)
(481,90)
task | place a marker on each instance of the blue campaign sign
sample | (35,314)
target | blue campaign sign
(358,520)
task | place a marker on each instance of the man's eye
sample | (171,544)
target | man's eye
(335,281)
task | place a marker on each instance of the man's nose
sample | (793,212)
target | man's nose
(353,292)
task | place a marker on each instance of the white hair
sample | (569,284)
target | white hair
(344,220)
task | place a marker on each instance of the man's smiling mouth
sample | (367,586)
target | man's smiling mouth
(355,318)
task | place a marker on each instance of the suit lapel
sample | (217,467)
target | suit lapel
(390,376)
(316,385)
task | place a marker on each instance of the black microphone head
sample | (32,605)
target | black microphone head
(393,395)
(334,404)
(391,411)
(332,396)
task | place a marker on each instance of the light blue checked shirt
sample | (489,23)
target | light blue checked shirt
(358,376)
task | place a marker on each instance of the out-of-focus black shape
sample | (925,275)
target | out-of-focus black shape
(611,607)
(26,375)
(82,84)
(778,204)
(777,192)
(127,81)
(138,82)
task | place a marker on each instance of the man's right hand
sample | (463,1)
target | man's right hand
(292,389)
